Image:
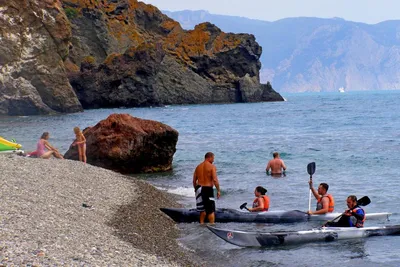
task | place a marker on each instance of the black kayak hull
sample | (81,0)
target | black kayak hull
(223,215)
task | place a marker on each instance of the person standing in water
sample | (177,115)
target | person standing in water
(80,141)
(276,165)
(261,202)
(42,145)
(204,179)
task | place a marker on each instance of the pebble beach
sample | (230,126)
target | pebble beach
(66,213)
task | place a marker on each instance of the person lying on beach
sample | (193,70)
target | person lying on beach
(42,145)
(261,202)
(80,141)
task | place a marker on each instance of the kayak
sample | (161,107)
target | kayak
(324,234)
(232,215)
(6,145)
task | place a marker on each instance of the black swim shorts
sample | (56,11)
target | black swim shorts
(199,199)
(207,195)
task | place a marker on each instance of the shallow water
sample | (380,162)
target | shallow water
(352,137)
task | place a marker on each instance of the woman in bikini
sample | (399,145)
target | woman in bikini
(43,144)
(80,141)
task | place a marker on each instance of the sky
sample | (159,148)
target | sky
(367,11)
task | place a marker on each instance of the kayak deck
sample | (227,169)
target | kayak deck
(325,234)
(232,215)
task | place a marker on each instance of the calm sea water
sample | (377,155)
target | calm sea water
(352,137)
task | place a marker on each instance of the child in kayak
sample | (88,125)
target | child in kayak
(80,141)
(261,202)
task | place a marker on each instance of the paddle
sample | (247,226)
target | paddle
(364,201)
(310,170)
(243,206)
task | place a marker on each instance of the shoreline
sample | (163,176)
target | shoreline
(64,212)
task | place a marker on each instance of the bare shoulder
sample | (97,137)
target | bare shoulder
(325,199)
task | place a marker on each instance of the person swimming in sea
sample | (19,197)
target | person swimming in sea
(276,165)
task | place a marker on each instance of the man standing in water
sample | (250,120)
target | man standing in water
(276,165)
(204,178)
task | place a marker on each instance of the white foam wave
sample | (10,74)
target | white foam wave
(181,191)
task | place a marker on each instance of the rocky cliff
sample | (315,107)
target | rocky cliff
(127,53)
(34,41)
(319,55)
(118,53)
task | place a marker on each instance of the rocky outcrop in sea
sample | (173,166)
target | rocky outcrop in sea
(130,145)
(118,53)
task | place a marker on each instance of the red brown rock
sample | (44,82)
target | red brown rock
(129,145)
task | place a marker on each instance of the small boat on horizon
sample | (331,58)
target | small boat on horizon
(341,90)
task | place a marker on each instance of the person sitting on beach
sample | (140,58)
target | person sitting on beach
(325,201)
(354,216)
(276,165)
(261,202)
(80,141)
(43,144)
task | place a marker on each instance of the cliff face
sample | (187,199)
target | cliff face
(34,41)
(127,53)
(118,53)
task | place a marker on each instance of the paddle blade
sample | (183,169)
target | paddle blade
(243,205)
(311,168)
(364,201)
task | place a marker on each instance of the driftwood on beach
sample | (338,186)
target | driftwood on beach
(63,212)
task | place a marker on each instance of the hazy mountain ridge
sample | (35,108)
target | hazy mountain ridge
(314,54)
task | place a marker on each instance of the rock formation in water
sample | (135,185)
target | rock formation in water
(118,53)
(129,145)
(34,41)
(127,53)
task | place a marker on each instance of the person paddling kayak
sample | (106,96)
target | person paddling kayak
(325,201)
(261,202)
(354,216)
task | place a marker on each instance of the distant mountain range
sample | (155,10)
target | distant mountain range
(317,55)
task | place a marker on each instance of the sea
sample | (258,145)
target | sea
(353,137)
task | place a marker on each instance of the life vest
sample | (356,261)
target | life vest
(331,206)
(359,223)
(266,202)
